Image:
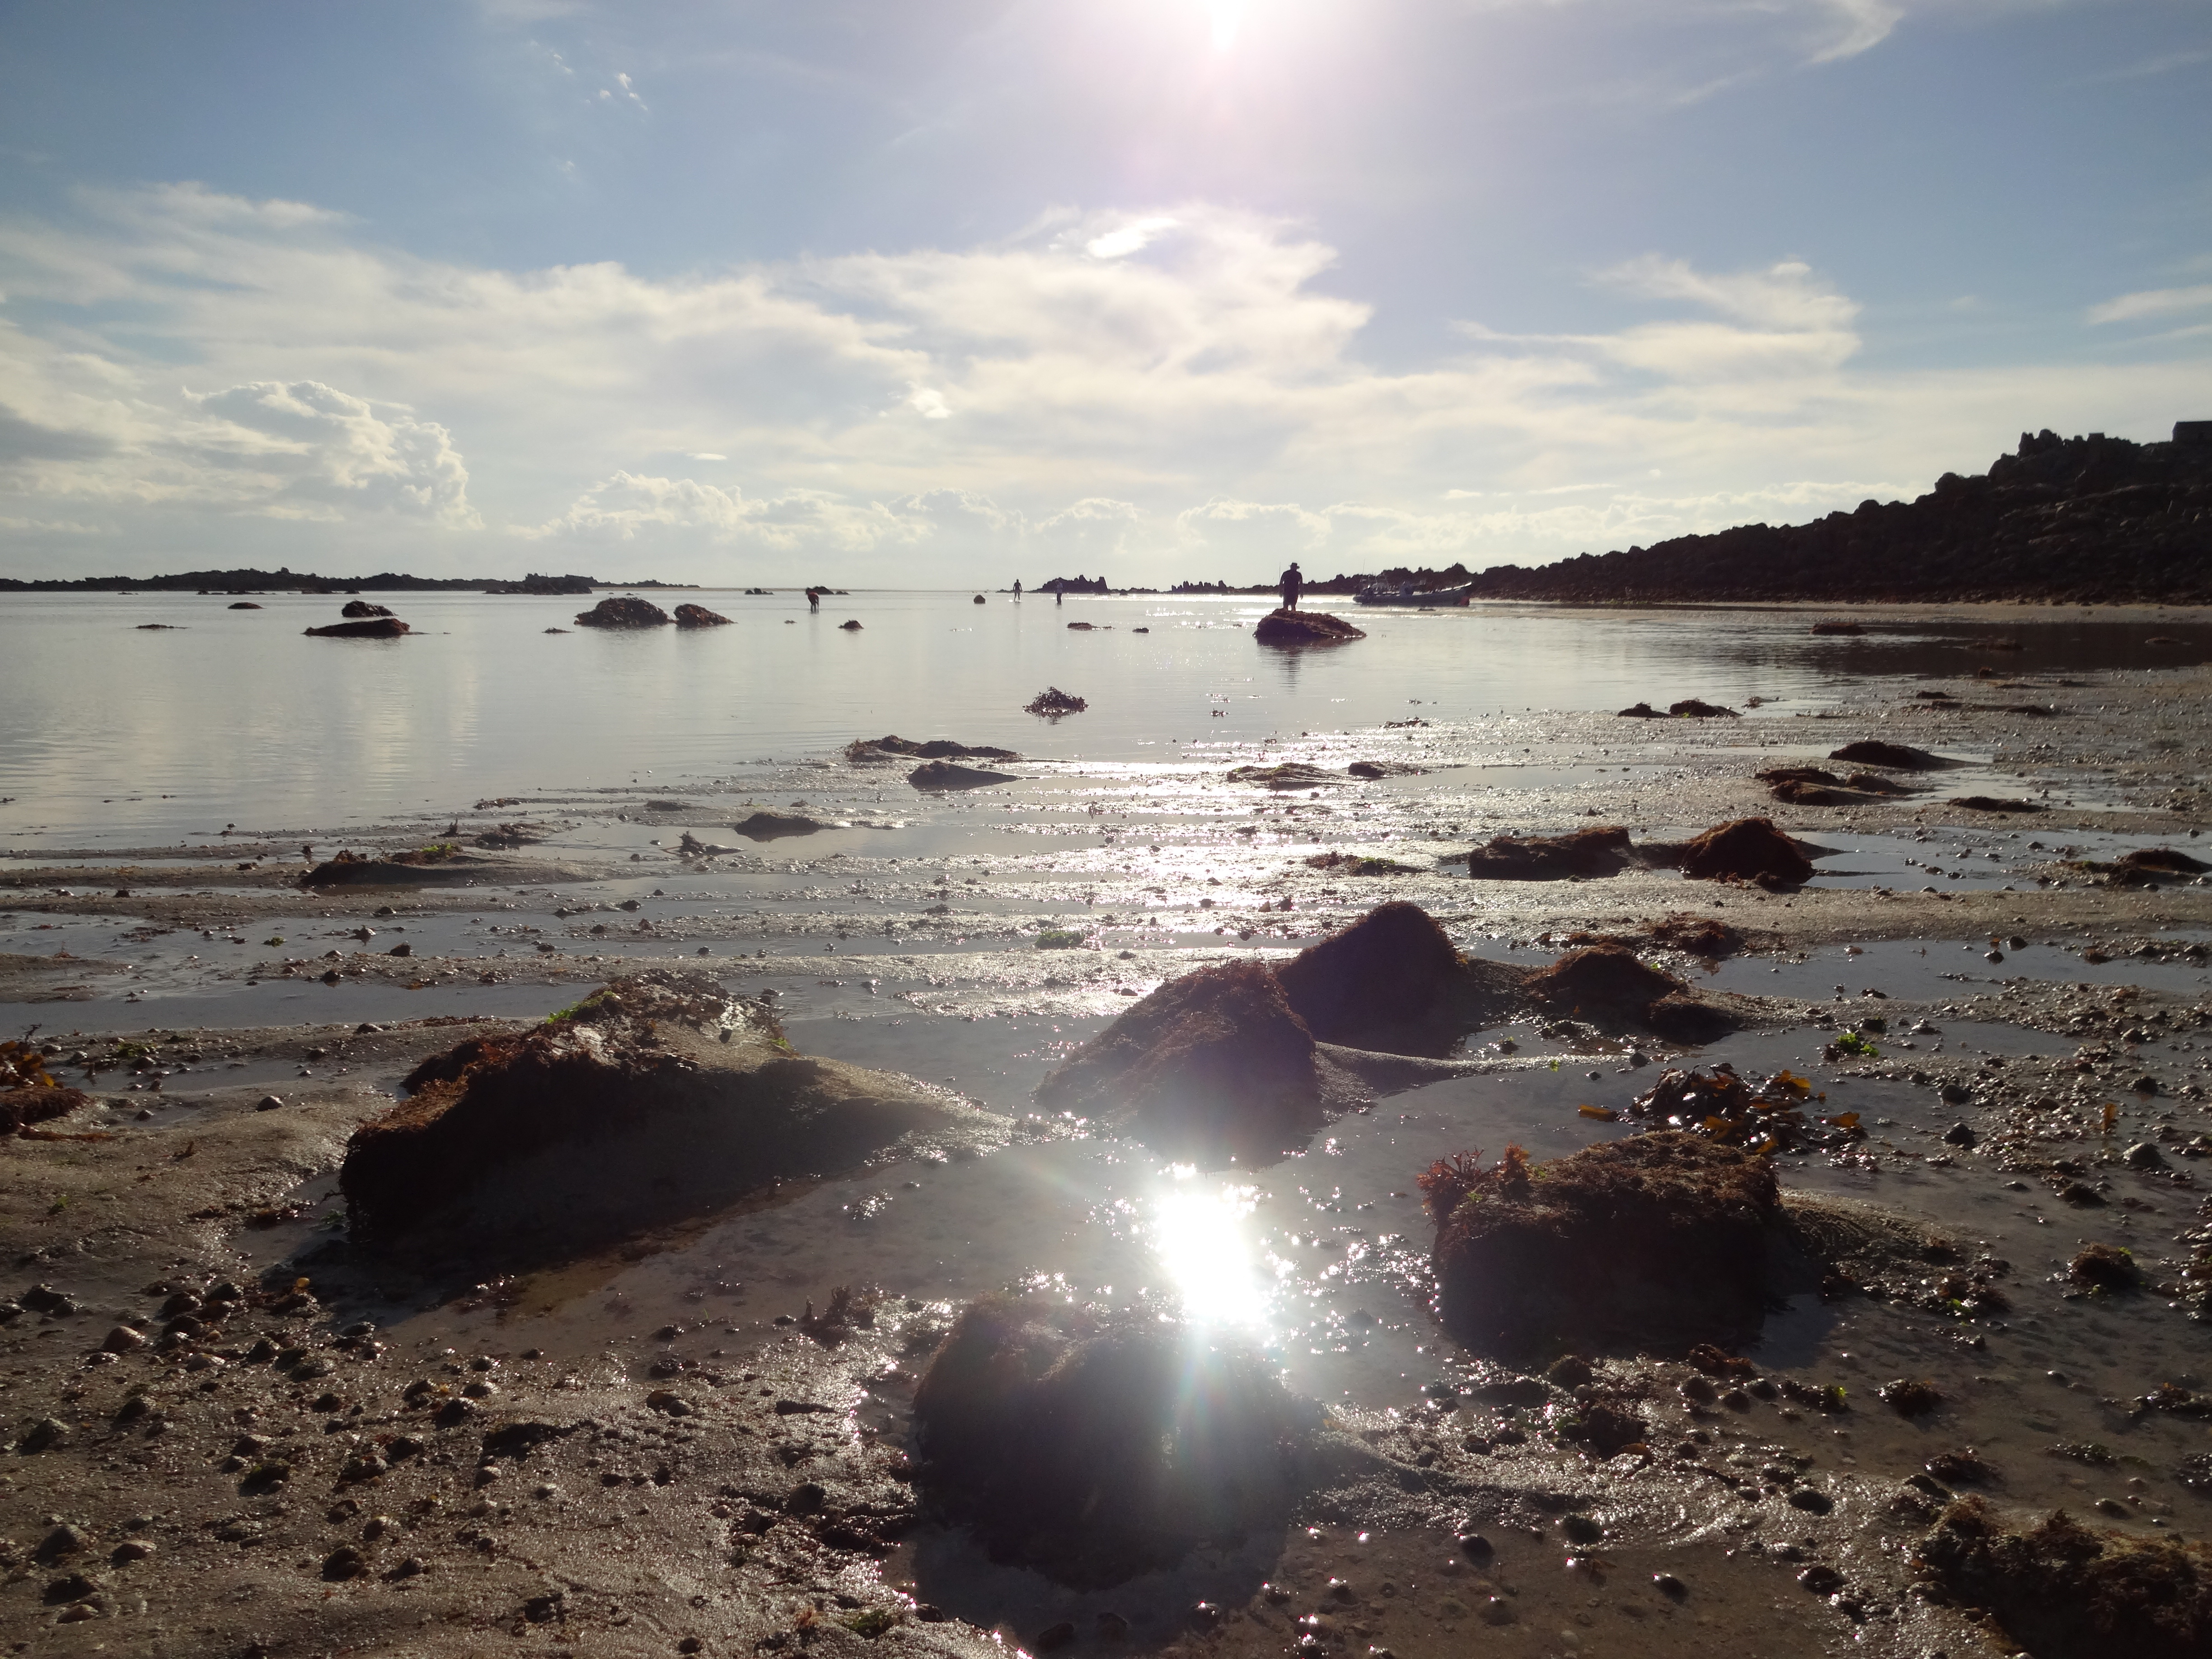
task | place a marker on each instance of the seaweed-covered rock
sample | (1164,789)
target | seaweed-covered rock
(1290,774)
(884,748)
(1607,984)
(28,1094)
(2064,1591)
(1213,1066)
(939,776)
(1697,936)
(442,865)
(1898,756)
(1594,852)
(1383,768)
(1387,982)
(368,628)
(1994,804)
(1305,628)
(1749,849)
(1094,1451)
(1641,711)
(773,826)
(655,1098)
(1656,1242)
(1694,708)
(622,610)
(697,616)
(2163,861)
(1052,702)
(363,607)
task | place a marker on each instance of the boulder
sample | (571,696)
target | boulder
(883,748)
(773,826)
(939,776)
(1640,711)
(1094,1450)
(1305,628)
(697,616)
(1389,981)
(850,626)
(1653,1243)
(1692,709)
(1052,702)
(368,628)
(1596,852)
(1748,849)
(657,1097)
(1608,985)
(622,610)
(1898,756)
(363,607)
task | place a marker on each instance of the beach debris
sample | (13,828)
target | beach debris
(1595,852)
(1054,703)
(1093,1449)
(697,616)
(692,847)
(2105,1267)
(1354,864)
(370,627)
(1659,1241)
(1697,936)
(1305,628)
(1780,1114)
(940,774)
(438,863)
(622,610)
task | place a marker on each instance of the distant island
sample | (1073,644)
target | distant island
(285,581)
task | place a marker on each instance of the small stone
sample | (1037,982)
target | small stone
(63,1540)
(1669,1586)
(44,1435)
(1205,1615)
(1812,1500)
(345,1562)
(1475,1546)
(1821,1579)
(129,1550)
(1960,1134)
(1112,1626)
(122,1340)
(269,1103)
(1581,1529)
(2144,1156)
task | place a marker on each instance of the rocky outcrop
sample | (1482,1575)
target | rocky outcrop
(1749,849)
(938,776)
(1596,852)
(1305,628)
(363,607)
(369,628)
(657,1097)
(622,610)
(1607,985)
(1392,980)
(1291,775)
(884,749)
(697,616)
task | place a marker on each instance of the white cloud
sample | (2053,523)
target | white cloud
(1132,238)
(2152,302)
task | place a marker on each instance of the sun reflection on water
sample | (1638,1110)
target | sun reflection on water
(1201,1232)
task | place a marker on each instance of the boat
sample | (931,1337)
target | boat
(1407,593)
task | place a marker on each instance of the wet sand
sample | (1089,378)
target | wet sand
(666,1498)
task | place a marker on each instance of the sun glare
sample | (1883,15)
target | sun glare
(1199,1233)
(1227,17)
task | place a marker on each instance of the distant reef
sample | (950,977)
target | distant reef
(293,581)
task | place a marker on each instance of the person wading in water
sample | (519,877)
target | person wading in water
(1290,581)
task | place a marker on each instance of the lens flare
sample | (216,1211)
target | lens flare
(1200,1233)
(1227,16)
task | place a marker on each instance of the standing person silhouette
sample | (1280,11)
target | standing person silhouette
(1059,594)
(1291,580)
(1017,590)
(813,598)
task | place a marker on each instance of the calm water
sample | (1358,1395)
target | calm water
(116,735)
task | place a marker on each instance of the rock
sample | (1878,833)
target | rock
(245,604)
(883,748)
(2062,1591)
(697,616)
(373,628)
(363,607)
(1596,852)
(773,826)
(270,1103)
(1305,628)
(444,864)
(1052,702)
(941,775)
(658,1097)
(1608,985)
(2107,1267)
(850,627)
(1749,849)
(1898,756)
(122,1340)
(2143,1156)
(2164,860)
(1291,775)
(21,1108)
(1079,627)
(1994,804)
(45,1435)
(1368,769)
(1657,1242)
(622,610)
(1095,1450)
(1845,627)
(1690,708)
(1641,711)
(1697,936)
(1391,981)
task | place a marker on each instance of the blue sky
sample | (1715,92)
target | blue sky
(890,291)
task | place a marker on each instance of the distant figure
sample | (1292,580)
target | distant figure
(1017,590)
(813,598)
(1059,594)
(1291,580)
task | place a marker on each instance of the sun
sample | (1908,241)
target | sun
(1226,16)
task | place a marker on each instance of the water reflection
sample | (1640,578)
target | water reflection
(1201,1232)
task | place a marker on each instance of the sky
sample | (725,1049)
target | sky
(941,293)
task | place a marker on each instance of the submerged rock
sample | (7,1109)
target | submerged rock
(244,604)
(2165,860)
(1291,775)
(1596,852)
(1608,985)
(773,826)
(1843,628)
(883,749)
(372,628)
(1093,1451)
(622,610)
(656,1097)
(697,616)
(939,775)
(1052,702)
(1305,628)
(1368,769)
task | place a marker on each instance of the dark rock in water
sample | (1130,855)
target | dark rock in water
(1213,1066)
(1384,769)
(622,610)
(939,775)
(28,1094)
(1846,628)
(1052,702)
(1305,628)
(697,616)
(773,826)
(165,628)
(1898,756)
(1994,804)
(1749,849)
(1657,1242)
(369,627)
(1691,708)
(245,604)
(1697,936)
(655,1097)
(1640,711)
(1094,1451)
(850,626)
(2064,1591)
(2165,860)
(880,749)
(1599,852)
(363,607)
(1608,985)
(1387,982)
(1291,775)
